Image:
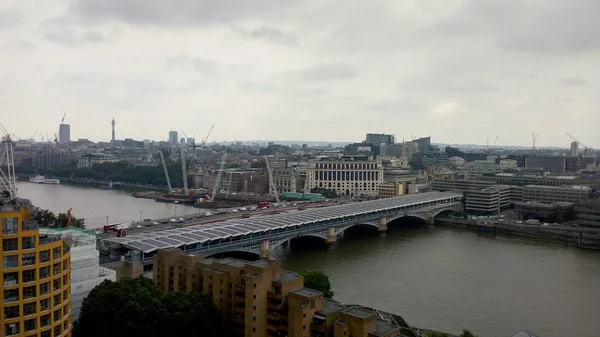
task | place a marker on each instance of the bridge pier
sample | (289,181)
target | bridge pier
(264,251)
(331,237)
(382,225)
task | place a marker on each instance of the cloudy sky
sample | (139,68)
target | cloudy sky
(460,71)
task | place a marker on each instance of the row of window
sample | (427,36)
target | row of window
(30,325)
(347,166)
(9,245)
(11,312)
(10,226)
(12,295)
(29,259)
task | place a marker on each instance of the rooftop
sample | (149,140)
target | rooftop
(306,292)
(330,306)
(177,237)
(288,276)
(74,237)
(572,187)
(358,312)
(383,328)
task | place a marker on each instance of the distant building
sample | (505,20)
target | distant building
(553,213)
(359,149)
(346,176)
(574,149)
(173,137)
(588,213)
(91,159)
(557,164)
(64,134)
(459,185)
(481,167)
(377,140)
(285,179)
(491,200)
(467,156)
(553,194)
(389,190)
(508,164)
(49,156)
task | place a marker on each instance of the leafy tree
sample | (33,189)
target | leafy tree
(437,334)
(47,218)
(467,333)
(327,193)
(317,280)
(135,307)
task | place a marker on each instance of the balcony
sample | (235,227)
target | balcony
(46,239)
(29,226)
(274,295)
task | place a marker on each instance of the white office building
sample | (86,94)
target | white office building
(86,272)
(346,177)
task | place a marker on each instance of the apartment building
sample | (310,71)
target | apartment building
(480,167)
(491,200)
(285,179)
(588,213)
(259,299)
(36,285)
(553,194)
(346,176)
(91,159)
(389,190)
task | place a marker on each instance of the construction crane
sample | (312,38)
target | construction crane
(164,164)
(493,146)
(228,184)
(8,177)
(272,186)
(56,134)
(585,148)
(208,134)
(534,135)
(32,136)
(183,168)
(219,175)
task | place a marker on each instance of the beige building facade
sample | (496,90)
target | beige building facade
(350,178)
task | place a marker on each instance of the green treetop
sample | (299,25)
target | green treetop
(317,280)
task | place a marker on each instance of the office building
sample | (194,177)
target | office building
(346,176)
(86,272)
(553,194)
(467,156)
(64,134)
(574,149)
(173,137)
(259,299)
(588,213)
(286,179)
(377,140)
(355,149)
(91,159)
(49,156)
(481,167)
(491,200)
(557,164)
(459,185)
(35,277)
(399,150)
(552,213)
(507,164)
(389,190)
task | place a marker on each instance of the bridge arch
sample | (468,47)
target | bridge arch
(235,251)
(279,243)
(340,231)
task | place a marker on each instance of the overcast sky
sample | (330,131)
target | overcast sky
(459,71)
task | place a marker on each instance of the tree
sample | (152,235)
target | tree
(327,193)
(135,307)
(437,334)
(317,280)
(467,333)
(46,218)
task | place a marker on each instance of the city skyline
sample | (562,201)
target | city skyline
(452,70)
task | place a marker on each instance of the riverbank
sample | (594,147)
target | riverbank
(103,184)
(580,237)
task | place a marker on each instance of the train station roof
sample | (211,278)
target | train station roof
(150,241)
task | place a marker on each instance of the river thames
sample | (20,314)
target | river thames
(438,278)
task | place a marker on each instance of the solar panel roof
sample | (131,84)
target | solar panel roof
(150,241)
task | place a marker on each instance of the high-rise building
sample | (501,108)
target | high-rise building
(35,278)
(377,140)
(574,149)
(173,137)
(64,134)
(113,130)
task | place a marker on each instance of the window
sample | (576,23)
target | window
(29,309)
(56,269)
(44,272)
(44,288)
(29,292)
(9,225)
(57,300)
(28,259)
(28,275)
(11,279)
(30,325)
(11,312)
(56,284)
(56,253)
(28,242)
(45,320)
(45,333)
(11,295)
(44,304)
(65,311)
(9,245)
(10,261)
(65,279)
(11,329)
(44,256)
(57,330)
(56,315)
(65,296)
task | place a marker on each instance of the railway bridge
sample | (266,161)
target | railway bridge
(261,235)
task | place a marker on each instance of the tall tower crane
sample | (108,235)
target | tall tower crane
(8,177)
(183,169)
(272,186)
(534,135)
(208,134)
(164,164)
(585,148)
(219,175)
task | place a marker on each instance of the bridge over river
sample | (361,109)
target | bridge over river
(263,234)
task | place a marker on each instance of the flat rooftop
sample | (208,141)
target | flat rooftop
(383,328)
(306,292)
(330,306)
(358,312)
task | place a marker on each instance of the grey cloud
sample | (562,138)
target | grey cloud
(60,31)
(394,106)
(267,33)
(280,89)
(573,81)
(202,65)
(177,12)
(451,85)
(9,17)
(19,46)
(539,26)
(329,71)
